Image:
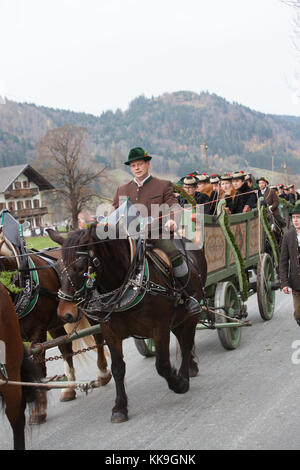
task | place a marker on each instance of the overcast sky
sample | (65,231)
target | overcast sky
(95,55)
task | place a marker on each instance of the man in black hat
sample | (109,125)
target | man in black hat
(242,201)
(147,190)
(190,186)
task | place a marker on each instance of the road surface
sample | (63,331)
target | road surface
(242,399)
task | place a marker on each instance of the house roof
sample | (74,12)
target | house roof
(9,174)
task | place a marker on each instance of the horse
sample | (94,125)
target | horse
(16,367)
(107,264)
(42,318)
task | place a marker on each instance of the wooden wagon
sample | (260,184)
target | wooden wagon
(238,267)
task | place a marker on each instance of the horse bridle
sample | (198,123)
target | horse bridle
(80,295)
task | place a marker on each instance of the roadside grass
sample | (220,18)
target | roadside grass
(40,243)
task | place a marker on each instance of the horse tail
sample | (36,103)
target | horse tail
(82,343)
(29,373)
(87,341)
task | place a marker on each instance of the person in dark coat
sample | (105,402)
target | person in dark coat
(271,199)
(215,194)
(242,199)
(227,191)
(289,267)
(281,192)
(190,186)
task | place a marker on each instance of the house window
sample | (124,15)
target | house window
(20,205)
(18,185)
(25,184)
(28,204)
(11,206)
(36,203)
(2,206)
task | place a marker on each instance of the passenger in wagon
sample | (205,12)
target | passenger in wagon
(204,185)
(242,201)
(227,191)
(190,186)
(215,194)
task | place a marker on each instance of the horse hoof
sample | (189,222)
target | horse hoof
(193,370)
(119,417)
(67,395)
(37,419)
(104,380)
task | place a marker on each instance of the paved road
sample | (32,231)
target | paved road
(242,399)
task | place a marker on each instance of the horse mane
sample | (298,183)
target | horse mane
(72,243)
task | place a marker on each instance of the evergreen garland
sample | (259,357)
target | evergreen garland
(6,280)
(271,235)
(241,266)
(183,193)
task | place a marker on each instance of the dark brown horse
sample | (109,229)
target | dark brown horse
(43,318)
(154,317)
(18,368)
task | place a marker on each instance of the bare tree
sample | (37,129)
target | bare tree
(295,4)
(63,156)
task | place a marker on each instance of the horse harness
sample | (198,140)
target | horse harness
(132,291)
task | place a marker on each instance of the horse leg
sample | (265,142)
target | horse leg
(67,394)
(118,368)
(104,373)
(185,333)
(176,382)
(38,414)
(15,412)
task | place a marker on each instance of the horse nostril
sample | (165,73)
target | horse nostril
(68,318)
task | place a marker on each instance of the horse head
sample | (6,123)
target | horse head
(75,271)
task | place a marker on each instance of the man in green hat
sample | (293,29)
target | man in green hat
(289,268)
(153,192)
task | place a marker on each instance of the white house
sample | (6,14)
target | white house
(20,192)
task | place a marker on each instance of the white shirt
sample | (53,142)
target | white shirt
(142,182)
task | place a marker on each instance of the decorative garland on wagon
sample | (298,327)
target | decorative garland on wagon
(271,236)
(225,226)
(6,280)
(184,194)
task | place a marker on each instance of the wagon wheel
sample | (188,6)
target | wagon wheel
(226,296)
(265,294)
(145,346)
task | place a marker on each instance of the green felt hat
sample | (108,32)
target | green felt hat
(262,179)
(296,209)
(137,153)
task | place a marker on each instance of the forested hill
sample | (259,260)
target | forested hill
(172,127)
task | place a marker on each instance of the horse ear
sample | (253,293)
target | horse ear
(92,232)
(55,236)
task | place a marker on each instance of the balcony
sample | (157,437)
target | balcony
(21,193)
(34,212)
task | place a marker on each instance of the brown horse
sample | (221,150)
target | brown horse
(43,318)
(154,317)
(18,368)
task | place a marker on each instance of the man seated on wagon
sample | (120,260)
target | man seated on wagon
(243,199)
(215,194)
(281,192)
(190,186)
(151,192)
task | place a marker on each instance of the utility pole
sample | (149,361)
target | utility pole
(284,166)
(205,148)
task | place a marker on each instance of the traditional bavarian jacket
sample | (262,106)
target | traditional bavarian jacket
(289,267)
(271,199)
(154,191)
